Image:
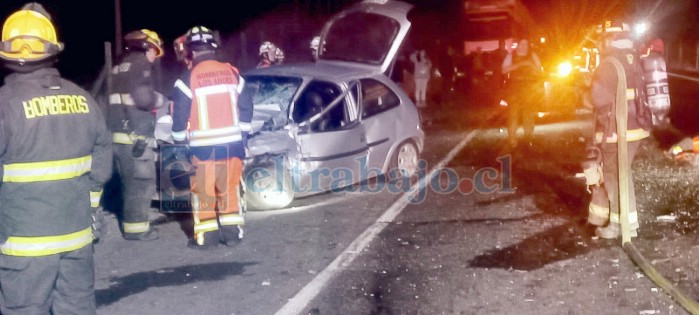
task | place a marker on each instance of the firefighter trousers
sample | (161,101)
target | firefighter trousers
(55,284)
(137,187)
(216,195)
(523,99)
(605,201)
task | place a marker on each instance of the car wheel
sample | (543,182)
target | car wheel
(268,186)
(405,161)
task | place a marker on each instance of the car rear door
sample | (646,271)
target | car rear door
(332,142)
(369,34)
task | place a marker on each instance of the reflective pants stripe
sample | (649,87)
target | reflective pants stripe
(231,219)
(136,227)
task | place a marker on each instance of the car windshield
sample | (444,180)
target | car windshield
(370,44)
(272,95)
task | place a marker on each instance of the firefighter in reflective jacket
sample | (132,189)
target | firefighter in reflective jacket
(132,123)
(209,99)
(55,156)
(619,65)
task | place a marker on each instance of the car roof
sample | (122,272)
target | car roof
(328,71)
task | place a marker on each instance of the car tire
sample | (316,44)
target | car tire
(265,188)
(404,162)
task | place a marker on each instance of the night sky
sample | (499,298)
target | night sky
(84,25)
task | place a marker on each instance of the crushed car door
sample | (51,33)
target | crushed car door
(332,142)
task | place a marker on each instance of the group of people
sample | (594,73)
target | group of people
(57,151)
(50,198)
(617,81)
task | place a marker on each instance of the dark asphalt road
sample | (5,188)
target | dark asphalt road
(524,250)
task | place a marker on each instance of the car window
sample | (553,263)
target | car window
(377,98)
(315,99)
(273,94)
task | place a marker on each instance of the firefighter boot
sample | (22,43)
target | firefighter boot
(209,240)
(612,231)
(150,235)
(231,235)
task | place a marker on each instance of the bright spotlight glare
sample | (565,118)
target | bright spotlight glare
(641,28)
(564,69)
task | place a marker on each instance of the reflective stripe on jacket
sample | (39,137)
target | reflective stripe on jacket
(46,245)
(215,87)
(47,170)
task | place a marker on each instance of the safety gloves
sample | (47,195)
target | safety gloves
(99,226)
(139,147)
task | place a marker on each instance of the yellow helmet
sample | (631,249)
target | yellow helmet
(143,40)
(29,36)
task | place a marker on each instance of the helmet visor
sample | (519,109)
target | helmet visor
(28,47)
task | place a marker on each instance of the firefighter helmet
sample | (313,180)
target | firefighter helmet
(315,42)
(268,49)
(616,27)
(29,36)
(657,45)
(144,39)
(615,35)
(201,38)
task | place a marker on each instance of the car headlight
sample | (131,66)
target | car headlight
(564,69)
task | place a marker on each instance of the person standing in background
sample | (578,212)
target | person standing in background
(421,75)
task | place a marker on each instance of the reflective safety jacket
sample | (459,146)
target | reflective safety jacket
(603,96)
(211,110)
(55,149)
(132,99)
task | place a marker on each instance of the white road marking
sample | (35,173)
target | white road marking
(298,302)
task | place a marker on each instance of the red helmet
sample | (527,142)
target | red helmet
(657,45)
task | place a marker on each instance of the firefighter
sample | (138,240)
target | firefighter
(421,74)
(315,42)
(618,59)
(131,119)
(212,118)
(56,153)
(522,90)
(267,55)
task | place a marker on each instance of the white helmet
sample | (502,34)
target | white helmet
(315,42)
(267,47)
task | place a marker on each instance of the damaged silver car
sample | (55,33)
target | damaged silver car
(338,121)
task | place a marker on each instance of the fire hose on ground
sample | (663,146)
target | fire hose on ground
(624,170)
